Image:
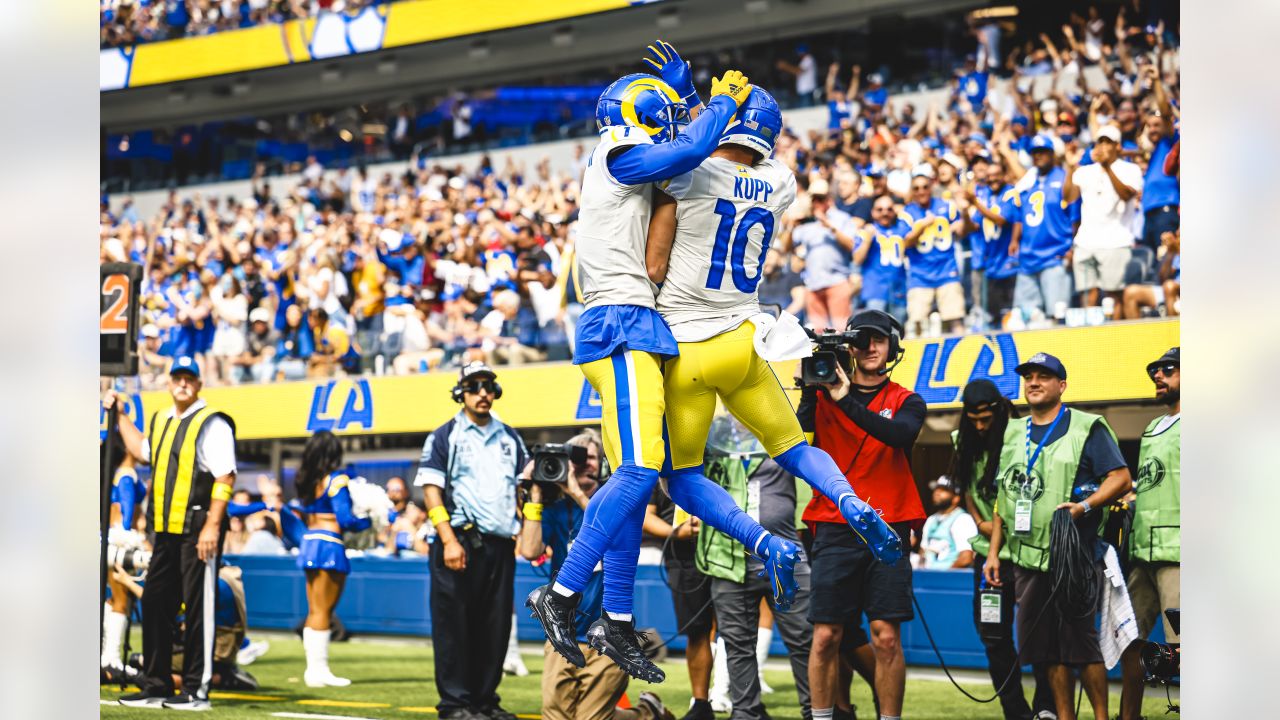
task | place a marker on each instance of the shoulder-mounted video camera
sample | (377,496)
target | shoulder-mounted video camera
(551,462)
(1161,662)
(830,350)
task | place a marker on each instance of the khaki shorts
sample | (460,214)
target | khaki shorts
(1100,268)
(1154,588)
(950,298)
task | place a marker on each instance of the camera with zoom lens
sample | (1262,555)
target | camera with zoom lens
(1161,662)
(829,352)
(551,462)
(130,560)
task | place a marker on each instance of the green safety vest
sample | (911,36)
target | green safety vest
(1049,487)
(718,555)
(980,543)
(1157,518)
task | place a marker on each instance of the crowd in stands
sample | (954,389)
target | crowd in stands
(131,22)
(348,271)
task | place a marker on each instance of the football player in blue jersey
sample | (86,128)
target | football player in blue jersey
(1044,283)
(932,271)
(622,340)
(996,213)
(880,252)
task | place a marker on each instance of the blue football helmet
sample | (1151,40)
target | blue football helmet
(642,101)
(756,124)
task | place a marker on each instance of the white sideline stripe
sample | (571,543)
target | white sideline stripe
(315,716)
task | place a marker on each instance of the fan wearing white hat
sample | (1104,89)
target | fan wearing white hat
(1109,190)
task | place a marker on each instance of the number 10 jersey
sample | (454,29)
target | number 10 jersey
(726,217)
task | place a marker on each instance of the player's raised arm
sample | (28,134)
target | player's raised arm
(639,164)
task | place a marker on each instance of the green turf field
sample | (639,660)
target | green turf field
(393,679)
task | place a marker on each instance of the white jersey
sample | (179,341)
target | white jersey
(726,217)
(613,227)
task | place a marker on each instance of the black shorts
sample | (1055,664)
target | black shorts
(848,581)
(1044,635)
(691,595)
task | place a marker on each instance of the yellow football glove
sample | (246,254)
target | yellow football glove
(734,84)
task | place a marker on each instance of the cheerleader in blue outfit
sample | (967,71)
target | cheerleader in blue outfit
(326,509)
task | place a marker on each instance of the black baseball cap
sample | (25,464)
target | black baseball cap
(978,394)
(475,369)
(1172,355)
(877,320)
(1044,361)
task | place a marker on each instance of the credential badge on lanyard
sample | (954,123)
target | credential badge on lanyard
(1022,509)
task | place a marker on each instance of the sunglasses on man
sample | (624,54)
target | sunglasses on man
(1167,369)
(475,386)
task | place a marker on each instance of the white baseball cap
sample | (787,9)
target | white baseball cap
(1109,132)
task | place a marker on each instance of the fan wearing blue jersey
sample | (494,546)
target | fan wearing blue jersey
(933,276)
(707,250)
(880,253)
(622,340)
(996,213)
(1043,252)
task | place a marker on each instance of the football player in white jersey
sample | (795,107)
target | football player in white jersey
(622,340)
(708,251)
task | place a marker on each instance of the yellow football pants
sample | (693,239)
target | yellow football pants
(632,404)
(726,366)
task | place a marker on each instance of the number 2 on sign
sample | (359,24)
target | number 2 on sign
(737,255)
(115,318)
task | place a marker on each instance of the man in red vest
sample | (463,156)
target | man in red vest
(868,426)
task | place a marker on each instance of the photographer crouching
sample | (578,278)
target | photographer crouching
(868,424)
(560,480)
(1054,462)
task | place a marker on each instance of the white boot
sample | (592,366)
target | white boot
(315,643)
(113,624)
(720,678)
(763,640)
(513,664)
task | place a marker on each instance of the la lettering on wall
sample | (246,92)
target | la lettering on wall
(1106,364)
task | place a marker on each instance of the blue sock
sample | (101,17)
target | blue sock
(713,505)
(620,561)
(607,513)
(816,468)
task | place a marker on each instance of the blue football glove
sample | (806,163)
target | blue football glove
(673,70)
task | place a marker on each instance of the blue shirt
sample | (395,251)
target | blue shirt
(1046,223)
(884,276)
(476,466)
(837,113)
(1159,189)
(932,260)
(974,88)
(997,263)
(561,521)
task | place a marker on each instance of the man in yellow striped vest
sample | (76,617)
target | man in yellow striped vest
(191,450)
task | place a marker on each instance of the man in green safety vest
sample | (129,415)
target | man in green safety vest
(737,461)
(1156,539)
(1045,458)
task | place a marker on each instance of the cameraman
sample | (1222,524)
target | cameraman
(552,517)
(868,425)
(1155,544)
(468,469)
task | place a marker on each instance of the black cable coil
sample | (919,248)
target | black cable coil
(1074,572)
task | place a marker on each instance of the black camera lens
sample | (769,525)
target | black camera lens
(550,468)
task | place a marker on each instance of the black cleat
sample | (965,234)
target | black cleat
(556,615)
(147,698)
(619,641)
(493,712)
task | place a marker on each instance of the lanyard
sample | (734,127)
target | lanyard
(1031,462)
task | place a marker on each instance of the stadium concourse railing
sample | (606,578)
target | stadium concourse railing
(390,596)
(1107,367)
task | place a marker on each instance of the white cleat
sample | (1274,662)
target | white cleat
(720,701)
(252,651)
(324,678)
(515,666)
